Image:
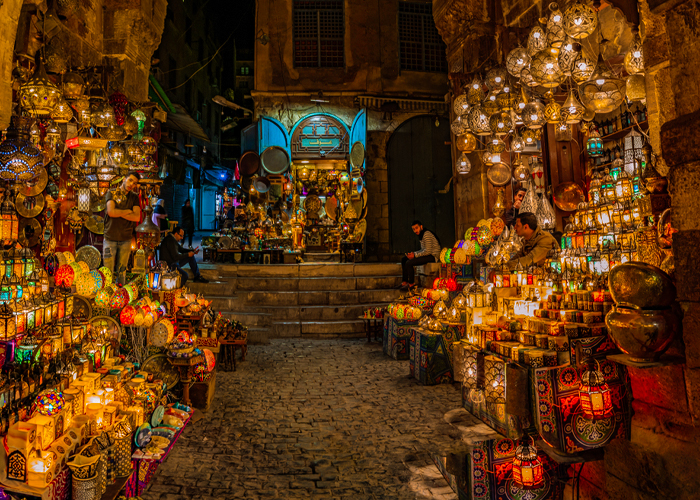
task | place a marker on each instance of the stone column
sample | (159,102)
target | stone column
(9,19)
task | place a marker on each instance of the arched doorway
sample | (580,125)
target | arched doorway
(419,164)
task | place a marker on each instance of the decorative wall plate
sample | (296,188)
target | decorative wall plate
(29,232)
(332,207)
(275,160)
(35,186)
(157,415)
(249,163)
(29,206)
(567,196)
(499,174)
(105,326)
(142,436)
(95,224)
(81,307)
(357,155)
(312,205)
(97,204)
(90,255)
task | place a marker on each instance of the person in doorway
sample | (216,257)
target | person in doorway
(536,242)
(123,213)
(172,252)
(160,215)
(188,220)
(429,252)
(512,212)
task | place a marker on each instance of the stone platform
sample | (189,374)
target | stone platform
(310,300)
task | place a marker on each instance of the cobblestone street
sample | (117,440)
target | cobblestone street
(314,419)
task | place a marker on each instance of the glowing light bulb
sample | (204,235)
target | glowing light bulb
(569,47)
(521,105)
(534,118)
(475,86)
(578,21)
(557,18)
(549,65)
(600,81)
(637,54)
(492,98)
(536,34)
(498,79)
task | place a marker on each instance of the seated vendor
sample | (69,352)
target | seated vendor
(176,256)
(536,242)
(429,252)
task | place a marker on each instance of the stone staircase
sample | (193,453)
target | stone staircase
(310,300)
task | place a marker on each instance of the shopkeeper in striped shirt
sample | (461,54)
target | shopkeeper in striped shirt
(429,252)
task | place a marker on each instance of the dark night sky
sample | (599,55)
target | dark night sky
(233,15)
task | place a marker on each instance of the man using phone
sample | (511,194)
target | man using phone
(429,252)
(173,253)
(122,216)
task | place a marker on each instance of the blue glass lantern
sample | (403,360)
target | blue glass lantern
(594,144)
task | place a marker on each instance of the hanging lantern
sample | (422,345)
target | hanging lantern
(634,59)
(633,143)
(530,202)
(572,110)
(528,471)
(466,143)
(580,21)
(460,105)
(73,85)
(102,116)
(562,132)
(545,68)
(602,92)
(9,228)
(533,115)
(496,78)
(39,95)
(527,79)
(546,218)
(84,199)
(118,101)
(636,88)
(490,106)
(478,121)
(521,172)
(459,126)
(582,68)
(567,55)
(506,99)
(594,394)
(517,60)
(552,111)
(20,161)
(463,165)
(147,233)
(529,137)
(537,170)
(536,40)
(501,123)
(594,144)
(555,26)
(475,94)
(517,144)
(62,112)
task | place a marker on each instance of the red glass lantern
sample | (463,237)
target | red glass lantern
(528,471)
(594,393)
(127,315)
(64,276)
(118,101)
(120,299)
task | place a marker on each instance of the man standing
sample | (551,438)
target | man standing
(512,212)
(429,252)
(536,242)
(176,256)
(122,215)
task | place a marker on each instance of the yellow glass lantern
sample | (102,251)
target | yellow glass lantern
(8,328)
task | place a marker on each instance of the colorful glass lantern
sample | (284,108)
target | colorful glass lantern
(17,286)
(48,308)
(98,278)
(528,471)
(104,295)
(107,274)
(171,280)
(594,394)
(64,276)
(84,284)
(607,187)
(84,199)
(8,328)
(594,144)
(120,299)
(38,308)
(50,402)
(9,227)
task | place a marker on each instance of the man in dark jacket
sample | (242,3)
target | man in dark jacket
(176,256)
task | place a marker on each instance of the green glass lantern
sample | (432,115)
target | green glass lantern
(594,144)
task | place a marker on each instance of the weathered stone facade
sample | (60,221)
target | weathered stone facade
(120,34)
(661,461)
(371,70)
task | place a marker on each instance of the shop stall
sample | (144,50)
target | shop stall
(98,378)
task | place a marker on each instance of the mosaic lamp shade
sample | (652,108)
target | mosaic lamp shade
(594,394)
(20,160)
(528,471)
(478,121)
(50,402)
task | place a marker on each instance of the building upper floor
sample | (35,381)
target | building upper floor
(383,47)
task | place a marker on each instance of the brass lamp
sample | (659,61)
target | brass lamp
(545,68)
(603,92)
(147,233)
(533,115)
(7,322)
(579,21)
(572,110)
(478,121)
(460,105)
(517,60)
(39,95)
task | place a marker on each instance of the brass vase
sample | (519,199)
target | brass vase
(643,334)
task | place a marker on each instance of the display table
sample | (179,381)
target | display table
(228,352)
(186,368)
(431,354)
(397,334)
(373,326)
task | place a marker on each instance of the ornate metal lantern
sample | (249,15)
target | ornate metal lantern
(147,233)
(39,95)
(20,161)
(528,471)
(595,395)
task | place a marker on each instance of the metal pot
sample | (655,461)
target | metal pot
(644,334)
(642,285)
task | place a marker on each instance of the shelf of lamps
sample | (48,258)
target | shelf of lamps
(623,132)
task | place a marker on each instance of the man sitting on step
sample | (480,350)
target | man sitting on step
(429,252)
(176,256)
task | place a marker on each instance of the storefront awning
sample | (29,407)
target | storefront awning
(158,95)
(210,177)
(183,122)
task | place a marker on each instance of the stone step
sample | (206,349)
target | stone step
(249,318)
(292,298)
(305,270)
(316,329)
(320,313)
(317,284)
(321,257)
(259,335)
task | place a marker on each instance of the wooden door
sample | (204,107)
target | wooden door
(419,164)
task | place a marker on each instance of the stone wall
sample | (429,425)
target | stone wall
(122,34)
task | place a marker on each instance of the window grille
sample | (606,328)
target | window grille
(319,30)
(420,46)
